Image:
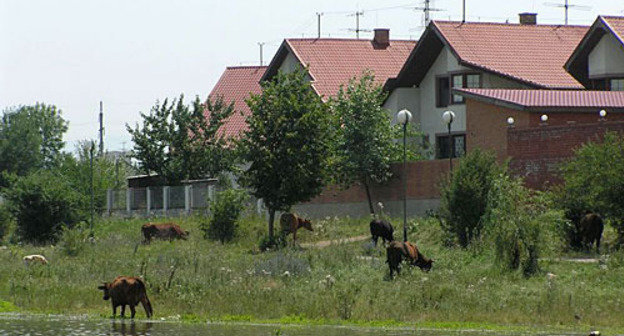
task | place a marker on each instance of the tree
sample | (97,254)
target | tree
(179,142)
(365,142)
(31,137)
(464,197)
(593,180)
(287,143)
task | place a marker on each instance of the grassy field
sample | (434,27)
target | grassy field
(199,280)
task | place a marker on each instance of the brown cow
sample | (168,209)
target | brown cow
(127,291)
(381,228)
(169,231)
(590,229)
(290,223)
(399,251)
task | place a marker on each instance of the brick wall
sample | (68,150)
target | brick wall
(537,152)
(423,181)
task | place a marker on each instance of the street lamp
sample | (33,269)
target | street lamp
(403,118)
(448,117)
(510,121)
(602,114)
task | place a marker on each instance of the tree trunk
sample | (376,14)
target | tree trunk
(368,196)
(271,219)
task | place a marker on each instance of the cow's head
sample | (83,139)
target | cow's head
(105,287)
(424,264)
(305,223)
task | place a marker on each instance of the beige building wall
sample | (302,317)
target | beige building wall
(607,58)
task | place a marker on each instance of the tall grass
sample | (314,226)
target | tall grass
(203,279)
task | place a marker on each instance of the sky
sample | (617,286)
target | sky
(131,53)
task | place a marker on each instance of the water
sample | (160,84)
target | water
(28,325)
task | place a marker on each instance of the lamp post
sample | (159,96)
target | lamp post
(448,117)
(403,118)
(510,121)
(602,114)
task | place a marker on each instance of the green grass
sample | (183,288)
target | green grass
(199,280)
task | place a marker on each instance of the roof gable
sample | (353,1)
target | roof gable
(530,54)
(577,63)
(333,62)
(236,85)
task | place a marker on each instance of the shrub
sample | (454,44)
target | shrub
(73,240)
(225,212)
(464,196)
(5,221)
(594,181)
(516,221)
(276,242)
(42,203)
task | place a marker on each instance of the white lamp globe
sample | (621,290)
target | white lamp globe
(448,117)
(544,118)
(602,113)
(404,117)
(510,121)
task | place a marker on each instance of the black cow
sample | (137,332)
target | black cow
(590,229)
(381,228)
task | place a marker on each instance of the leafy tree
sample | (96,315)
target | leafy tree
(107,173)
(593,180)
(464,197)
(287,143)
(31,137)
(42,203)
(180,142)
(365,142)
(225,212)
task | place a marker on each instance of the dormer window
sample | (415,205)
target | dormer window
(608,84)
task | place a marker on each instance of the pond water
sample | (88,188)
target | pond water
(61,325)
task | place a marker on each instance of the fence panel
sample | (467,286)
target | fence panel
(156,198)
(176,197)
(138,198)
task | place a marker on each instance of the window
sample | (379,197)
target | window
(458,146)
(616,84)
(442,91)
(457,81)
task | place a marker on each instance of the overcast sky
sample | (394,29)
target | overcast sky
(74,53)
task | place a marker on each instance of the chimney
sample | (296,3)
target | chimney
(382,38)
(528,19)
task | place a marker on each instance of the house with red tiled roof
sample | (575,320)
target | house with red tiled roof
(451,55)
(333,62)
(236,85)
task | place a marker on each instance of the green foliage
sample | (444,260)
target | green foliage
(31,137)
(268,242)
(364,142)
(517,222)
(464,196)
(5,221)
(180,142)
(42,203)
(287,144)
(73,240)
(225,213)
(594,181)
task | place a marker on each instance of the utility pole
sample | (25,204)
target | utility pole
(318,19)
(261,44)
(101,129)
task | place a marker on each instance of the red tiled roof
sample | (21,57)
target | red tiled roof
(573,99)
(333,62)
(236,84)
(616,23)
(531,53)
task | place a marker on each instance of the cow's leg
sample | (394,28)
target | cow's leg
(598,244)
(375,238)
(114,309)
(123,310)
(132,310)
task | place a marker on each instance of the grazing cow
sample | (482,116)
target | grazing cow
(290,223)
(169,231)
(399,251)
(127,291)
(590,229)
(35,258)
(381,228)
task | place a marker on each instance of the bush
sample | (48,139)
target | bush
(43,203)
(594,181)
(5,221)
(73,241)
(516,221)
(278,242)
(464,197)
(226,210)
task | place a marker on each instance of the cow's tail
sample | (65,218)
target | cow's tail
(147,305)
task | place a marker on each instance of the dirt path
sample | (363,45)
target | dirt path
(325,243)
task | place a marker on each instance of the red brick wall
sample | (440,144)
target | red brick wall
(537,152)
(423,181)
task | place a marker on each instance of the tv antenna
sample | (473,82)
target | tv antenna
(566,5)
(357,29)
(426,8)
